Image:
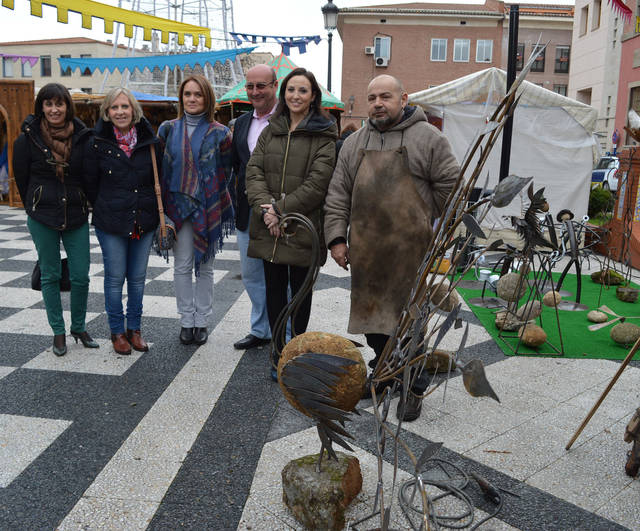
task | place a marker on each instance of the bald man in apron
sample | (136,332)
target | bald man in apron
(392,179)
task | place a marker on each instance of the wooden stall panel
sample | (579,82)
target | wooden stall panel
(16,103)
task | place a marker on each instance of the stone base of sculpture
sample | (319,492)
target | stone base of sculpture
(318,499)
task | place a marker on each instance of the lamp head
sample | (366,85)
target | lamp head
(330,14)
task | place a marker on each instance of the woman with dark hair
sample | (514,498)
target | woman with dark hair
(196,171)
(290,167)
(47,164)
(120,185)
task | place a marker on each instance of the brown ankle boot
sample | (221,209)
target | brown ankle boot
(120,344)
(136,341)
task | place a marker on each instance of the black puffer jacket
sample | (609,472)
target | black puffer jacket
(121,189)
(56,204)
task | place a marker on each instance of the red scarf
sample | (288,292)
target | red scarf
(127,141)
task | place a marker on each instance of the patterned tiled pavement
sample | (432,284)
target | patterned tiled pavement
(186,437)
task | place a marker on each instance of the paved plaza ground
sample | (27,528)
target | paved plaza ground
(187,437)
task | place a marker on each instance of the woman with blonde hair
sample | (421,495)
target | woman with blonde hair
(196,171)
(120,184)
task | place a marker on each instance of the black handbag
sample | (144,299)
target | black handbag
(65,282)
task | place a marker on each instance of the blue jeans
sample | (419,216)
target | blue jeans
(124,258)
(253,280)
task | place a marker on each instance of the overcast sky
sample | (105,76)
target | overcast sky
(286,17)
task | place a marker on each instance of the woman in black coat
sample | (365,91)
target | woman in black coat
(120,185)
(47,165)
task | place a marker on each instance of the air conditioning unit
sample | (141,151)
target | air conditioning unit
(382,61)
(369,50)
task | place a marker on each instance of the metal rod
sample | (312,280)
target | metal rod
(514,18)
(623,365)
(329,67)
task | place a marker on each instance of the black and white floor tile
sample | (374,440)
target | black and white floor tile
(183,437)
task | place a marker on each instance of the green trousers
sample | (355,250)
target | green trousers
(76,244)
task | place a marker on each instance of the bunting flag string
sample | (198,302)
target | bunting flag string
(110,14)
(150,61)
(31,59)
(622,9)
(287,42)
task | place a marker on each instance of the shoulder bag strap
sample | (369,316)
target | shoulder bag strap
(163,226)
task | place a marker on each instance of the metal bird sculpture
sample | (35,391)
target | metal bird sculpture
(324,386)
(528,227)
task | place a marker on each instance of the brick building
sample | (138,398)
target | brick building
(426,45)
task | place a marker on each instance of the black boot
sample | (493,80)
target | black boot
(59,345)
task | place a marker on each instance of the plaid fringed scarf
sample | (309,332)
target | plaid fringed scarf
(195,175)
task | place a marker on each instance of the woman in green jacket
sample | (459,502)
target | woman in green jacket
(291,166)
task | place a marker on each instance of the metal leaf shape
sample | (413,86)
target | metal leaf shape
(507,189)
(475,380)
(473,227)
(429,451)
(446,326)
(494,246)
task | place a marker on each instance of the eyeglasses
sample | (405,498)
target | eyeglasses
(259,86)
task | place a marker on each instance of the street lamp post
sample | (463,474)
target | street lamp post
(330,14)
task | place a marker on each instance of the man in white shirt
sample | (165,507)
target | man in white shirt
(262,87)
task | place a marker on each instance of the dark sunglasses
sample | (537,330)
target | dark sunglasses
(259,86)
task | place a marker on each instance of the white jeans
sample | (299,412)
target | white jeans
(194,300)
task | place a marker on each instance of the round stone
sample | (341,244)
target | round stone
(507,322)
(350,385)
(511,287)
(529,311)
(551,298)
(596,316)
(625,333)
(532,335)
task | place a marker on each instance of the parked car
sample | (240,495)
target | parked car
(605,173)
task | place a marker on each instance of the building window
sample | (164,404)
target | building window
(484,51)
(461,50)
(438,49)
(595,17)
(7,67)
(538,64)
(382,47)
(520,56)
(584,20)
(45,66)
(66,72)
(560,89)
(26,69)
(86,71)
(562,60)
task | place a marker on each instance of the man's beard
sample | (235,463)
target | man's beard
(382,124)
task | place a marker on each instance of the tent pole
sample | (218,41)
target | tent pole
(514,18)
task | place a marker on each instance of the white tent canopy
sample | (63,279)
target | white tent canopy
(552,137)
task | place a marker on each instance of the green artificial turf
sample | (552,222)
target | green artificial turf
(577,339)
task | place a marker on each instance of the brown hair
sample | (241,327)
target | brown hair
(55,91)
(316,104)
(207,92)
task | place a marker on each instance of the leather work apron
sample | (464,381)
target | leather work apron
(390,229)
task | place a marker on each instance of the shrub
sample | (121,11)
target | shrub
(600,201)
